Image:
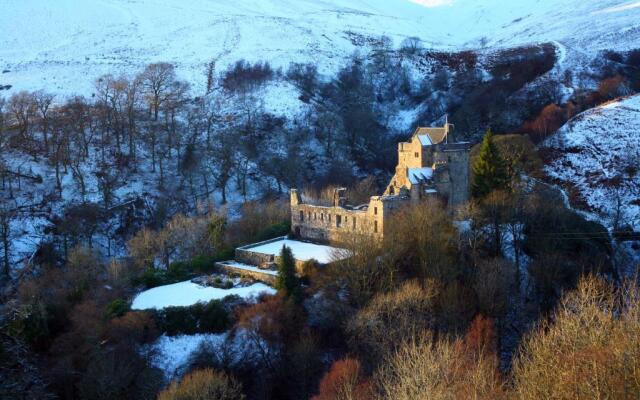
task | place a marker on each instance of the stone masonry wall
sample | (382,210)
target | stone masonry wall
(334,224)
(328,224)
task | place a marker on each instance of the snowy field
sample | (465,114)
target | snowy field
(600,156)
(62,45)
(302,251)
(188,293)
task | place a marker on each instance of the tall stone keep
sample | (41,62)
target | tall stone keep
(430,165)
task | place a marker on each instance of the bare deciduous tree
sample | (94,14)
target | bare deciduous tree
(157,82)
(44,101)
(23,109)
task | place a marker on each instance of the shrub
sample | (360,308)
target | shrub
(633,58)
(203,264)
(310,270)
(178,271)
(589,349)
(411,45)
(422,242)
(120,373)
(445,369)
(381,326)
(117,308)
(178,320)
(613,87)
(151,277)
(244,75)
(139,327)
(547,216)
(273,231)
(212,317)
(272,323)
(344,381)
(204,384)
(305,77)
(32,323)
(255,216)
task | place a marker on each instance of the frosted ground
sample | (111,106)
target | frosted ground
(597,148)
(171,353)
(62,45)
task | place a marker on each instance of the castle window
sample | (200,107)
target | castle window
(329,217)
(375,210)
(315,216)
(354,222)
(309,214)
(417,155)
(375,226)
(321,216)
(302,216)
(338,221)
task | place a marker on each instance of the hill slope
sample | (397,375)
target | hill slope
(596,155)
(61,46)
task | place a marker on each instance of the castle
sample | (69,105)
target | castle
(428,166)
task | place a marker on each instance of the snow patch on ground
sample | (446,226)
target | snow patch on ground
(172,353)
(187,293)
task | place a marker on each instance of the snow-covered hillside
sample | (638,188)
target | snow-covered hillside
(63,45)
(597,156)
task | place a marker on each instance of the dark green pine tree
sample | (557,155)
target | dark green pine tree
(287,281)
(489,170)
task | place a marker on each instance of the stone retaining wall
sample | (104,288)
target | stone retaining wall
(259,276)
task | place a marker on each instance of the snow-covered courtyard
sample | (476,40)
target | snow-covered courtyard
(302,251)
(187,293)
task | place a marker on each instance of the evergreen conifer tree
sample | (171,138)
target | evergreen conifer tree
(287,281)
(489,170)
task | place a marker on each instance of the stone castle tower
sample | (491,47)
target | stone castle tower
(428,166)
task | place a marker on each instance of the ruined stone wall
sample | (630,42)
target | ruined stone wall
(257,275)
(334,224)
(246,256)
(328,224)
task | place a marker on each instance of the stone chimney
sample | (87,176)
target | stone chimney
(295,197)
(340,197)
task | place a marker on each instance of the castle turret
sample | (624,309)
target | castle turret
(295,197)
